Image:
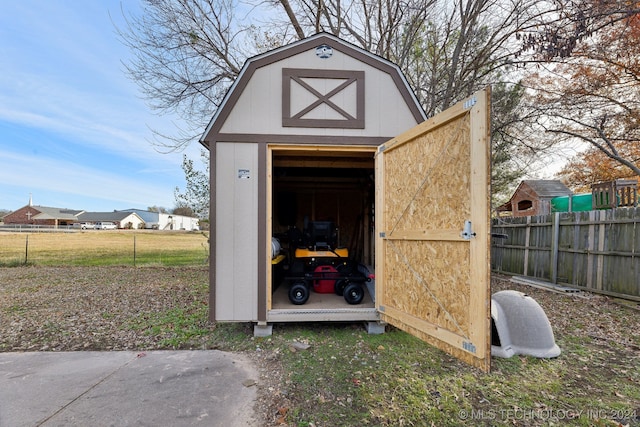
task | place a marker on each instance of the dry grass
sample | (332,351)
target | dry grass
(102,308)
(121,247)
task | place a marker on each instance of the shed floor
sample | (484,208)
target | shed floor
(280,300)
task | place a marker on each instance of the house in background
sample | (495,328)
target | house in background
(42,215)
(166,221)
(121,219)
(125,219)
(533,197)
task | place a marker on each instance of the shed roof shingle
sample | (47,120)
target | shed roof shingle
(548,187)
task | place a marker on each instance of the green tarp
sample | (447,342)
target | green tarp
(579,203)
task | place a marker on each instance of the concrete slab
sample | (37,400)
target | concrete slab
(156,388)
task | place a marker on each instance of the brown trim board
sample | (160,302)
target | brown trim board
(262,232)
(303,139)
(299,76)
(212,233)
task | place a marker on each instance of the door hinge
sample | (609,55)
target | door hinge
(383,234)
(467,233)
(469,346)
(470,102)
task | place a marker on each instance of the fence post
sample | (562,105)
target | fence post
(602,216)
(591,242)
(26,251)
(134,249)
(527,242)
(555,236)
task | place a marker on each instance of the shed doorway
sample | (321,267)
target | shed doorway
(328,185)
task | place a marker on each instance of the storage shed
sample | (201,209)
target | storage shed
(533,197)
(322,147)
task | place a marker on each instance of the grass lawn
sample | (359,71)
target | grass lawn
(102,247)
(315,374)
(349,378)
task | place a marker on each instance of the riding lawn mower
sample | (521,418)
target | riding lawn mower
(316,263)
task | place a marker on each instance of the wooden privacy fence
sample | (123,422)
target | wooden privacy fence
(598,251)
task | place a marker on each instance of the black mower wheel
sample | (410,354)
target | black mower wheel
(298,293)
(353,293)
(339,286)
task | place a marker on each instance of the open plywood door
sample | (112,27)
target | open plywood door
(432,269)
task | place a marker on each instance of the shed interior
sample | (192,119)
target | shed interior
(329,185)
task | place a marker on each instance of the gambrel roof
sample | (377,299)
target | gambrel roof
(284,93)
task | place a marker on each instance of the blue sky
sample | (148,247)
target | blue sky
(74,130)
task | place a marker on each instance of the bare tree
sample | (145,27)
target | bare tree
(186,54)
(564,24)
(447,49)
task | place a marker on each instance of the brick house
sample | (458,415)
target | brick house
(533,197)
(42,215)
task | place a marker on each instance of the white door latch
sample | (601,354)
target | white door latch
(467,234)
